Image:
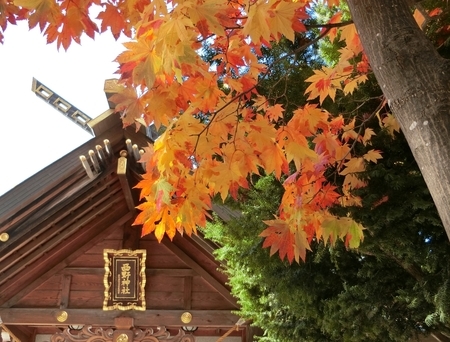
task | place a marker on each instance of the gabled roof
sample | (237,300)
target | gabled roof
(59,221)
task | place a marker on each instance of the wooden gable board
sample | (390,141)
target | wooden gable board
(58,223)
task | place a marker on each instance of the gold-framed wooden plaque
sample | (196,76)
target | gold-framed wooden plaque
(124,279)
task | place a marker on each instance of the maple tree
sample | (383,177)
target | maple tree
(221,130)
(391,288)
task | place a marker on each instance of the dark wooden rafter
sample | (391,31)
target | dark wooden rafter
(80,243)
(207,246)
(63,230)
(122,174)
(58,179)
(64,293)
(35,210)
(98,317)
(200,271)
(52,219)
(131,234)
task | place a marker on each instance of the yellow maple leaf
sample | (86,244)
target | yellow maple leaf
(391,124)
(256,25)
(351,181)
(351,85)
(372,156)
(174,28)
(368,133)
(280,22)
(353,165)
(205,13)
(343,152)
(340,227)
(298,153)
(351,38)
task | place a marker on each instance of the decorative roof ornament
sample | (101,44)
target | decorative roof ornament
(64,107)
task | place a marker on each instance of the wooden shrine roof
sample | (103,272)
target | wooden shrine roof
(59,222)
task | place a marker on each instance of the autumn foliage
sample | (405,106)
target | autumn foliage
(220,130)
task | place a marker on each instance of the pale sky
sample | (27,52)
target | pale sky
(32,133)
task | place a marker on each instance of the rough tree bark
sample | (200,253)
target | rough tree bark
(416,82)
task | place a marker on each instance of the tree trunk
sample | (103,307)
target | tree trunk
(416,82)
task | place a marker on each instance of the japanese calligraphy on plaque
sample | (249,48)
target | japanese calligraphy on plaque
(124,279)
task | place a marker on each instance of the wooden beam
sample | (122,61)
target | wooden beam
(207,246)
(187,292)
(65,291)
(131,236)
(169,272)
(98,317)
(201,271)
(84,241)
(122,174)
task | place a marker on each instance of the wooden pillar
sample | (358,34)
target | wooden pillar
(123,332)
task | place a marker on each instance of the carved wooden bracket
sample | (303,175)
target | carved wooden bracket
(91,334)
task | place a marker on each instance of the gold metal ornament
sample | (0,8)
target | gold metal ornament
(186,317)
(122,338)
(4,237)
(61,316)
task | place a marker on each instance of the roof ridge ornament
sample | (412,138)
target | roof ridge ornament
(63,106)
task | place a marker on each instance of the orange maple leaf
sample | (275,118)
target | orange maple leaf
(281,22)
(43,12)
(290,242)
(324,83)
(279,238)
(114,19)
(129,104)
(205,17)
(275,112)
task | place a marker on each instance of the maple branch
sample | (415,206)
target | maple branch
(205,38)
(311,42)
(412,269)
(363,102)
(263,76)
(361,126)
(329,25)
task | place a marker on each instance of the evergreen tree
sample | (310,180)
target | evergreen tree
(392,288)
